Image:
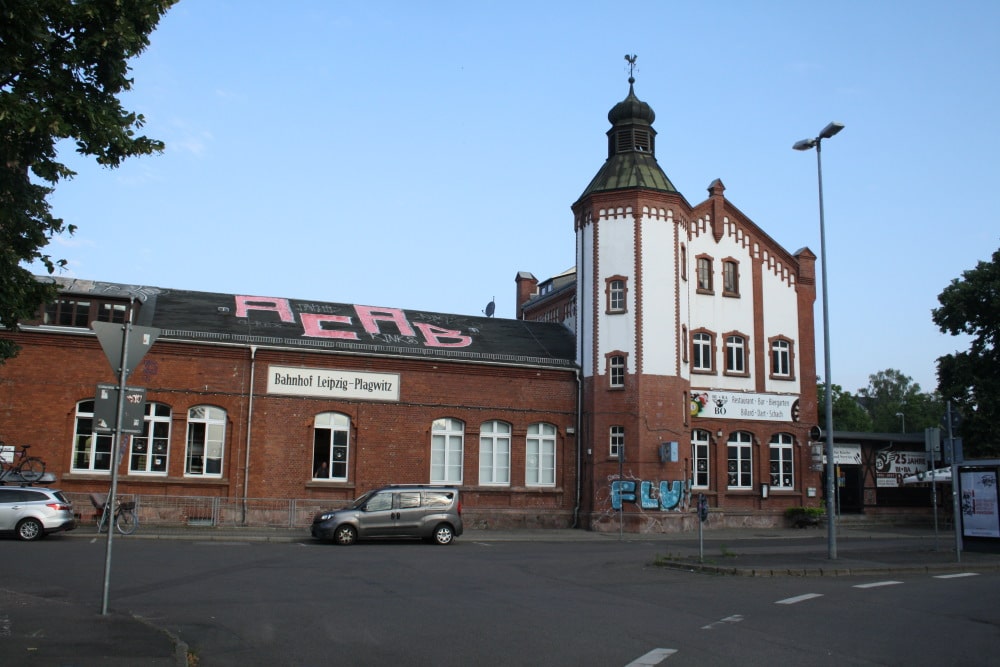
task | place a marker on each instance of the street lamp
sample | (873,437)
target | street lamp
(831,510)
(902,419)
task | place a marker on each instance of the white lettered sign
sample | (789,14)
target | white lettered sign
(327,383)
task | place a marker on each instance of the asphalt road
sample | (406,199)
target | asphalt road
(503,603)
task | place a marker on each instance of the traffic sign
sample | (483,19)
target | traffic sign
(140,339)
(106,404)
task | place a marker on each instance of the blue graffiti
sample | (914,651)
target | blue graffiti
(668,497)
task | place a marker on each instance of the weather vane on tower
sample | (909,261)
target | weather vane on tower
(631,66)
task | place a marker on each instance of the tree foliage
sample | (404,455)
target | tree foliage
(848,413)
(971,379)
(896,403)
(62,66)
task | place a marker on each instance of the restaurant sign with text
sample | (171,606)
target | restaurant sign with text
(328,383)
(745,405)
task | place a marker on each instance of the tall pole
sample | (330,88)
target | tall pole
(831,509)
(109,505)
(831,503)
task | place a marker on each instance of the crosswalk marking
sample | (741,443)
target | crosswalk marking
(956,576)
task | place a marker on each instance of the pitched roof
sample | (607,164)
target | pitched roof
(314,325)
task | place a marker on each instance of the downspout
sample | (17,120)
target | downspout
(246,464)
(579,378)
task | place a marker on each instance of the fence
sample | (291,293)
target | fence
(212,511)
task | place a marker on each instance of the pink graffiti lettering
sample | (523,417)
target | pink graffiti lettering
(312,326)
(244,304)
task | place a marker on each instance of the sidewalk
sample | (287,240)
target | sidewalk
(45,631)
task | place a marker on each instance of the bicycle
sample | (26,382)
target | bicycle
(30,468)
(125,519)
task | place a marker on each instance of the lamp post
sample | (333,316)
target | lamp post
(831,510)
(902,420)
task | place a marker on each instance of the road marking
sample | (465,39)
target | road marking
(956,576)
(876,584)
(799,598)
(654,657)
(735,618)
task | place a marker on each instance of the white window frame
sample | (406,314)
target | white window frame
(616,370)
(616,437)
(739,455)
(701,459)
(736,354)
(447,451)
(152,458)
(494,453)
(782,462)
(703,341)
(781,358)
(332,446)
(92,448)
(616,295)
(211,448)
(540,455)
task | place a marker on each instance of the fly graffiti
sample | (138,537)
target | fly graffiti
(647,495)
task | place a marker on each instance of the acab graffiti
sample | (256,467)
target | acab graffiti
(667,496)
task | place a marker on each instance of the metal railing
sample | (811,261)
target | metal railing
(210,511)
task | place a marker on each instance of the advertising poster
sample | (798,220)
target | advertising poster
(979,504)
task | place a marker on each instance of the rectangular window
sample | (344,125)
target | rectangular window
(447,447)
(540,455)
(91,451)
(701,352)
(112,312)
(730,278)
(781,358)
(617,370)
(740,464)
(699,455)
(616,296)
(494,453)
(68,313)
(617,441)
(735,354)
(205,441)
(705,274)
(149,450)
(782,470)
(331,431)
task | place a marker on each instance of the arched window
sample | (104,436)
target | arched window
(739,452)
(540,456)
(91,451)
(494,453)
(782,467)
(331,446)
(447,447)
(206,437)
(699,458)
(149,450)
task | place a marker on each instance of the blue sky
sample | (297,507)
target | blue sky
(419,154)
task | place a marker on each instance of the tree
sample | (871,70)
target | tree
(971,379)
(848,413)
(896,403)
(62,66)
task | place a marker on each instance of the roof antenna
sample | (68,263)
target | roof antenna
(490,307)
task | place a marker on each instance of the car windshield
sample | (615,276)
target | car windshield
(361,500)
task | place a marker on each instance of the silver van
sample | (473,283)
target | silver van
(433,513)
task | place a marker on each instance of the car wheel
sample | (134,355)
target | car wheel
(443,534)
(345,535)
(29,529)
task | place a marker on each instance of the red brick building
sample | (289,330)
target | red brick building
(676,357)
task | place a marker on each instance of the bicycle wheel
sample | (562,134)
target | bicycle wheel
(126,522)
(31,470)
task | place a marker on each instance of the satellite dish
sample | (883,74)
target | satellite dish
(490,307)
